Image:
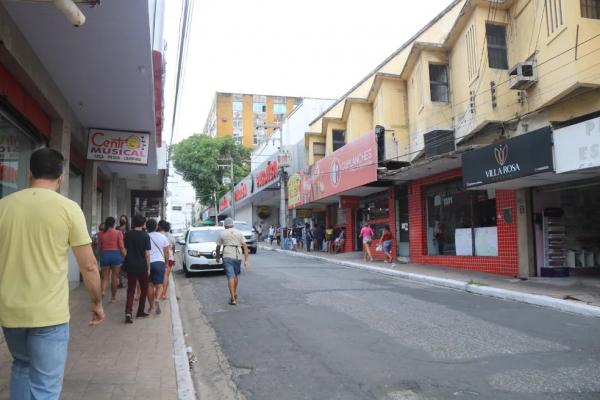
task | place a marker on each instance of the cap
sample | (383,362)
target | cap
(228,222)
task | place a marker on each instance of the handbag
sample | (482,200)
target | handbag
(379,247)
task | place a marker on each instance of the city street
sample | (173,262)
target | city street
(312,330)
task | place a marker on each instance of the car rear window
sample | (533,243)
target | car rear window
(204,236)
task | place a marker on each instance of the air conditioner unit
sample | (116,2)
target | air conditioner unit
(522,76)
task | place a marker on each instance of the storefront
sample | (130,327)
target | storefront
(567,214)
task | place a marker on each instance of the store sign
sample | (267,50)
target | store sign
(303,213)
(243,189)
(9,147)
(225,202)
(577,146)
(524,155)
(351,166)
(266,174)
(118,146)
(294,190)
(349,202)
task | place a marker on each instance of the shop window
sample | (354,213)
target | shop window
(590,9)
(376,206)
(461,222)
(438,82)
(15,149)
(339,138)
(554,16)
(496,46)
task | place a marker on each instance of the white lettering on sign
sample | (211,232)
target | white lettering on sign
(503,170)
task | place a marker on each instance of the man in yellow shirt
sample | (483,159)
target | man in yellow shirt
(37,227)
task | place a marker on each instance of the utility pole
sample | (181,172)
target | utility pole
(232,182)
(283,162)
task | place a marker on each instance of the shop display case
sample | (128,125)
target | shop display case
(555,252)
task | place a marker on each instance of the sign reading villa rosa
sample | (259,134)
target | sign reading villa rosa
(524,155)
(118,146)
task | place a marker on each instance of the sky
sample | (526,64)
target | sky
(305,48)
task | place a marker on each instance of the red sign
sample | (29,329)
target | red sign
(265,176)
(9,173)
(349,167)
(224,202)
(241,191)
(349,202)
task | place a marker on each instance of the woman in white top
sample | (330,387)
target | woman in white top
(159,254)
(165,228)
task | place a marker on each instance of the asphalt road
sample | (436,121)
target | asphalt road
(304,329)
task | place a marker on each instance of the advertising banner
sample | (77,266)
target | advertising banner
(577,146)
(351,166)
(523,155)
(266,173)
(243,189)
(118,146)
(225,202)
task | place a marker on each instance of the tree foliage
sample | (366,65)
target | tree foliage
(198,158)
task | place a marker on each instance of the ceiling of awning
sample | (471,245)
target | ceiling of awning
(103,68)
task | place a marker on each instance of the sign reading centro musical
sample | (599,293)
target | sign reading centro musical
(118,146)
(351,166)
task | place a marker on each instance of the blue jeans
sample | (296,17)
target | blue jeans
(39,358)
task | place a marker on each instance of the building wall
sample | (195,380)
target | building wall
(224,114)
(248,121)
(506,263)
(360,121)
(390,110)
(331,125)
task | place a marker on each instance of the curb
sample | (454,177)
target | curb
(504,294)
(185,386)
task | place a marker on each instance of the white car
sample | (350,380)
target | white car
(199,250)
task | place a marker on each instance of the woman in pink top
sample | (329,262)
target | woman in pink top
(110,244)
(366,233)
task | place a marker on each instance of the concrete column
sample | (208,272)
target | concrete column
(108,193)
(525,233)
(60,140)
(90,183)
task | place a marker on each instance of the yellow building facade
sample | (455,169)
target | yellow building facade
(248,118)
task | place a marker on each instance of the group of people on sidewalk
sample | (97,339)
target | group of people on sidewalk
(38,226)
(146,253)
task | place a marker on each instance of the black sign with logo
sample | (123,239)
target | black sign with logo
(524,155)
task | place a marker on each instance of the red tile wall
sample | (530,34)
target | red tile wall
(23,102)
(506,263)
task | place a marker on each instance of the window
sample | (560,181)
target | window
(259,108)
(15,149)
(472,62)
(279,108)
(554,16)
(496,45)
(590,9)
(438,82)
(339,138)
(461,222)
(319,149)
(238,106)
(238,124)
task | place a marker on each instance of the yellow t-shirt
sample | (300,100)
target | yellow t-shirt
(37,226)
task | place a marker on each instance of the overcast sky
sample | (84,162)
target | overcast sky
(306,48)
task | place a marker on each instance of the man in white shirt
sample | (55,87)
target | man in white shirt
(159,254)
(234,246)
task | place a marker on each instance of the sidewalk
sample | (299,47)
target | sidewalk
(113,360)
(573,294)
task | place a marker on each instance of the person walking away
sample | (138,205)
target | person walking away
(234,245)
(110,244)
(340,240)
(271,234)
(165,228)
(37,227)
(137,266)
(95,242)
(159,254)
(366,233)
(124,228)
(329,238)
(260,231)
(308,236)
(319,235)
(386,241)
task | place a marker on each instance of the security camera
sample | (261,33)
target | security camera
(70,11)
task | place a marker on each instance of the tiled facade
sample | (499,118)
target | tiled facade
(506,263)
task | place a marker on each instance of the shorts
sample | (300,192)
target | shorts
(387,246)
(157,272)
(232,267)
(110,258)
(366,240)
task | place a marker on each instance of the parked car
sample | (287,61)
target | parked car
(249,234)
(199,250)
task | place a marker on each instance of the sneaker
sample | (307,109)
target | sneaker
(233,302)
(128,319)
(158,311)
(142,315)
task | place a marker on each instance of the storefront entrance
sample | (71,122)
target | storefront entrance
(567,228)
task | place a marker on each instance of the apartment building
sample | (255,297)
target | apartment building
(476,141)
(249,118)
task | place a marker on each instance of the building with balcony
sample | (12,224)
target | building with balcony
(248,118)
(458,133)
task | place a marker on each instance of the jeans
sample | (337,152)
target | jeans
(39,359)
(308,244)
(132,280)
